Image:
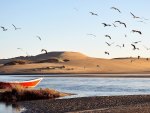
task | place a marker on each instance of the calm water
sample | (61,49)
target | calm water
(86,87)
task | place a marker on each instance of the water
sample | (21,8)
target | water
(86,87)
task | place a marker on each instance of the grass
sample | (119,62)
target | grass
(18,93)
(15,62)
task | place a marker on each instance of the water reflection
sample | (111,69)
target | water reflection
(10,108)
(84,87)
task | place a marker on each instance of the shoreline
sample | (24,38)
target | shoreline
(90,75)
(97,104)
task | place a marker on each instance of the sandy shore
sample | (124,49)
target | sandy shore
(84,75)
(73,63)
(103,104)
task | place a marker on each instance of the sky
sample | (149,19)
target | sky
(63,25)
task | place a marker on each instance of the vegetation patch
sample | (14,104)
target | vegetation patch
(18,93)
(15,62)
(50,60)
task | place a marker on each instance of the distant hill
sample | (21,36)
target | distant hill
(72,62)
(63,55)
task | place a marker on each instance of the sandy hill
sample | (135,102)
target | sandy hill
(75,62)
(62,55)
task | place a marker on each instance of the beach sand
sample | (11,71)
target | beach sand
(77,64)
(103,104)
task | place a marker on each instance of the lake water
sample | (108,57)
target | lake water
(85,87)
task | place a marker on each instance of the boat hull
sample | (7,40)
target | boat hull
(24,84)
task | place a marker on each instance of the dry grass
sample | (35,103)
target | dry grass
(18,93)
(15,62)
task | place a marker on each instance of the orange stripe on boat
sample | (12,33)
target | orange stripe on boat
(25,84)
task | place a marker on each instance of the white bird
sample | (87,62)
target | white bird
(107,53)
(92,35)
(95,14)
(109,44)
(39,37)
(134,47)
(44,50)
(108,36)
(4,29)
(15,27)
(137,31)
(134,15)
(116,9)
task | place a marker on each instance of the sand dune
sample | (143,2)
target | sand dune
(74,62)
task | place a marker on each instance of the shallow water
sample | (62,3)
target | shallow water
(86,87)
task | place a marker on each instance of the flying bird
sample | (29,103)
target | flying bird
(19,48)
(75,9)
(115,25)
(15,27)
(121,23)
(39,37)
(92,35)
(107,53)
(109,43)
(118,46)
(94,14)
(137,31)
(134,15)
(4,29)
(134,47)
(43,50)
(123,45)
(116,9)
(108,36)
(137,42)
(141,21)
(105,25)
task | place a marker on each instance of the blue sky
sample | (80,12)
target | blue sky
(63,25)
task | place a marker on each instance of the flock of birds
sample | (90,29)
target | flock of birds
(17,28)
(4,29)
(115,24)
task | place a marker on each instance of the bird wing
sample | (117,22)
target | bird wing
(14,26)
(91,12)
(2,27)
(117,21)
(124,24)
(114,25)
(44,51)
(107,43)
(139,32)
(118,10)
(133,46)
(132,14)
(39,37)
(137,42)
(92,35)
(108,36)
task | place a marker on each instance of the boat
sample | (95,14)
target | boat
(25,84)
